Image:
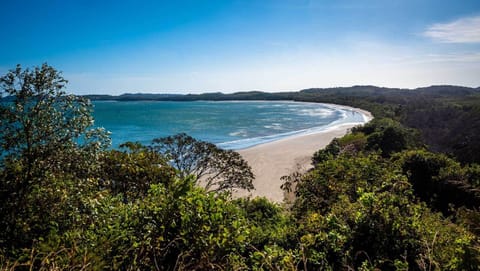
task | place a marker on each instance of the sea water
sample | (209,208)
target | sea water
(229,124)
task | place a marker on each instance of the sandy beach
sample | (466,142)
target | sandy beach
(271,161)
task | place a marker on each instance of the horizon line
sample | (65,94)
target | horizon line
(272,91)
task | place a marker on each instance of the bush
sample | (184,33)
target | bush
(440,181)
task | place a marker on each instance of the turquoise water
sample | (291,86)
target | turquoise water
(230,125)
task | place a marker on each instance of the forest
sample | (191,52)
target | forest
(398,193)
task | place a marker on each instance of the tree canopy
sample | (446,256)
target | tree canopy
(42,126)
(45,133)
(215,169)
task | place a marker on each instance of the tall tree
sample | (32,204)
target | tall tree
(48,151)
(42,126)
(215,168)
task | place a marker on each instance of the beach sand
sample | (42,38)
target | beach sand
(271,161)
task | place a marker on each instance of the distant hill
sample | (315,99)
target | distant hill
(131,97)
(306,94)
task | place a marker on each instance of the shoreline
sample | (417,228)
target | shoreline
(244,144)
(272,160)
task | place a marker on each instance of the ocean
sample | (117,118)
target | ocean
(228,124)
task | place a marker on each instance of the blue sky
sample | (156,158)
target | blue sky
(199,46)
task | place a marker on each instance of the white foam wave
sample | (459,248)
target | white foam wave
(348,117)
(274,126)
(241,132)
(315,112)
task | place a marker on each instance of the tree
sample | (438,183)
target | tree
(42,126)
(133,170)
(439,180)
(215,168)
(47,153)
(388,136)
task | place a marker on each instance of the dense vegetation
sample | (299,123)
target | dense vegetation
(375,199)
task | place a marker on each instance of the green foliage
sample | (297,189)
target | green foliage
(361,212)
(44,128)
(259,210)
(216,169)
(330,151)
(385,136)
(179,227)
(132,171)
(473,175)
(388,136)
(270,225)
(318,190)
(48,154)
(439,180)
(68,203)
(358,140)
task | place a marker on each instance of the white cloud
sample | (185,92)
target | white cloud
(464,30)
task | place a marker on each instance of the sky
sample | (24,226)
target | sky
(114,47)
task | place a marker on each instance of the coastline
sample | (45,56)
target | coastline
(272,160)
(243,144)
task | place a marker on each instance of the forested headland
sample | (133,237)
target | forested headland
(399,193)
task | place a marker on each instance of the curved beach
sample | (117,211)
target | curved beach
(271,161)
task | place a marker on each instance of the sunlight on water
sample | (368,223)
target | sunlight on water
(232,125)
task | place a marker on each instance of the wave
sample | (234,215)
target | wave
(274,126)
(315,112)
(241,132)
(250,142)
